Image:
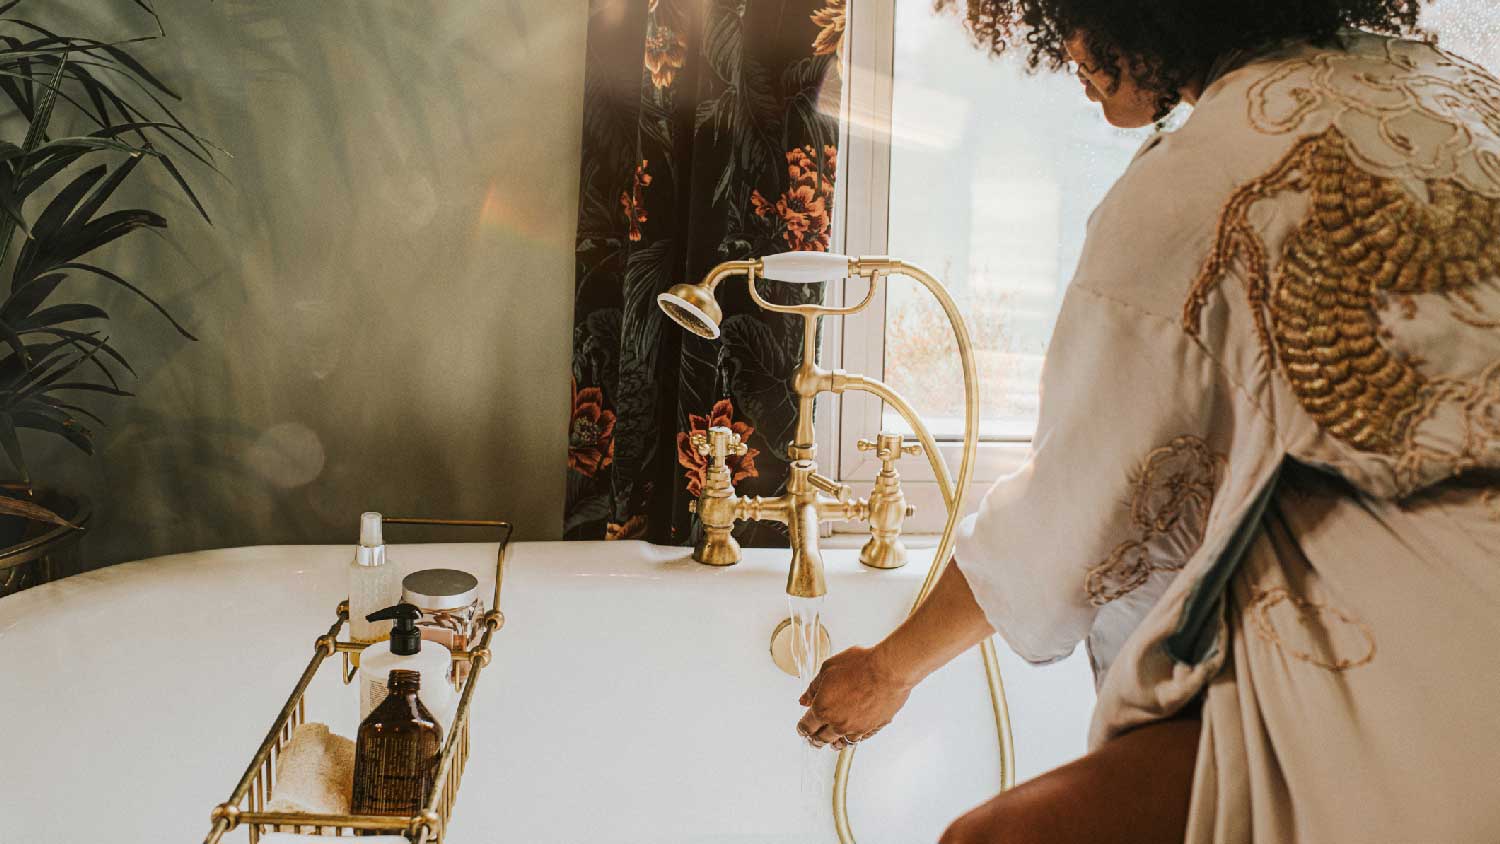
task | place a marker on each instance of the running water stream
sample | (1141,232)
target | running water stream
(815,784)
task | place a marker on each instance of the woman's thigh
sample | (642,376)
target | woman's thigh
(1134,789)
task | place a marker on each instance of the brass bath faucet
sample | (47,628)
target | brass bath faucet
(810,498)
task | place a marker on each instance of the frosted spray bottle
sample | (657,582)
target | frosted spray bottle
(374,584)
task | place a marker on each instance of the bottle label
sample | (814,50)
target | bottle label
(373,693)
(394,773)
(371,696)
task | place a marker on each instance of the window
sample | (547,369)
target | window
(1470,28)
(1022,161)
(985,177)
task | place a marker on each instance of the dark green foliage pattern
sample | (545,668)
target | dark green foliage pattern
(710,134)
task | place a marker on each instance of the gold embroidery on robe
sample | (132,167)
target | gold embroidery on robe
(1415,114)
(1311,631)
(1366,241)
(1169,509)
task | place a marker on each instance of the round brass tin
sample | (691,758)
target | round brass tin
(782,640)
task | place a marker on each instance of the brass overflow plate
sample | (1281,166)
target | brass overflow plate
(782,640)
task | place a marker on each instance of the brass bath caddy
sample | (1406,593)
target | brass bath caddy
(426,827)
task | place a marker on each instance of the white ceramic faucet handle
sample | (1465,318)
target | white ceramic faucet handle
(805,267)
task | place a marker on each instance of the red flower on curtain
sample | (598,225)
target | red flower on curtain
(830,21)
(803,208)
(740,466)
(591,435)
(802,167)
(632,202)
(666,52)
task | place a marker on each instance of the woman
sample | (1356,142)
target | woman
(1263,490)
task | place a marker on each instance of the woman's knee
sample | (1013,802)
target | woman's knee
(962,831)
(1100,797)
(1000,821)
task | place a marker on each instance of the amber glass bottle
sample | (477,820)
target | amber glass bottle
(396,754)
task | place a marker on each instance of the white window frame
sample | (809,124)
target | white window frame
(857,343)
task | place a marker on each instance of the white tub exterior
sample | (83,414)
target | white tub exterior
(632,699)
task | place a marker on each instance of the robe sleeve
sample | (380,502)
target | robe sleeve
(1136,420)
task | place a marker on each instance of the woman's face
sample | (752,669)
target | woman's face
(1126,104)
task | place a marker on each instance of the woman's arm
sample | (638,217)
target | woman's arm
(860,690)
(948,623)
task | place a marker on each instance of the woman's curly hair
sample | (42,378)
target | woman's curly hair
(1168,44)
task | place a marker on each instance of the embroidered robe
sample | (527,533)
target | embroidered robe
(1266,475)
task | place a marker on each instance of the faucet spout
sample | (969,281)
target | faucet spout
(805,577)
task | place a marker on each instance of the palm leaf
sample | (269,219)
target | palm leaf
(12,444)
(90,205)
(56,155)
(51,222)
(161,30)
(42,418)
(98,90)
(62,313)
(176,175)
(34,134)
(81,386)
(109,276)
(87,338)
(10,199)
(35,512)
(29,296)
(49,357)
(55,217)
(53,380)
(49,354)
(131,114)
(39,171)
(113,49)
(13,339)
(72,408)
(46,251)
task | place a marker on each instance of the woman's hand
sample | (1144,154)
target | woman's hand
(852,698)
(860,690)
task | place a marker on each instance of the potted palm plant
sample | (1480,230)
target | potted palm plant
(93,113)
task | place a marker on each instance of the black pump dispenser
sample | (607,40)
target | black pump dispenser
(405,638)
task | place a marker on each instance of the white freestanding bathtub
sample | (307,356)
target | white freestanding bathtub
(632,699)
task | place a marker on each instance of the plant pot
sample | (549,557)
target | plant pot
(36,552)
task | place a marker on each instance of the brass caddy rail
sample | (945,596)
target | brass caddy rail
(426,827)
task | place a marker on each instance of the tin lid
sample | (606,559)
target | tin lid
(440,589)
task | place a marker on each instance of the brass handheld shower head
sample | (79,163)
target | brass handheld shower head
(693,307)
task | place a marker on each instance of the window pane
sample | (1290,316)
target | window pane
(1470,28)
(993,176)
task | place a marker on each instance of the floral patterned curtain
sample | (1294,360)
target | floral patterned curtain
(710,134)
